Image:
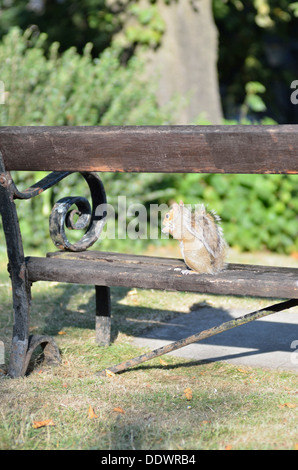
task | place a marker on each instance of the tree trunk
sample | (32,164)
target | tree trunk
(186,61)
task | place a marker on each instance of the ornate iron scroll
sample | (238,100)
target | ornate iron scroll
(92,220)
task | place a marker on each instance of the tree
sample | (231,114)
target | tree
(186,60)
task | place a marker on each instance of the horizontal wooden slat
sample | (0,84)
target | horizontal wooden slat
(178,149)
(113,269)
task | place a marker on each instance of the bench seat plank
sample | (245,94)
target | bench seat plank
(115,269)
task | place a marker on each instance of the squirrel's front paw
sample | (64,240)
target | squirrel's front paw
(187,271)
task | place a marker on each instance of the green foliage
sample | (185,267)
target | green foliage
(257,43)
(69,89)
(84,20)
(294,7)
(148,27)
(96,21)
(252,102)
(72,89)
(258,211)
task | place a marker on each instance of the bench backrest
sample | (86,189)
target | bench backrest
(178,149)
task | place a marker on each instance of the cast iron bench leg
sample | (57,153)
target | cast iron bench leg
(22,346)
(103,315)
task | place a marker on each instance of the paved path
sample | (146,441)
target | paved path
(271,342)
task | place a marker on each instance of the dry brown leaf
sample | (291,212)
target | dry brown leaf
(33,328)
(243,371)
(296,446)
(61,332)
(91,414)
(228,447)
(188,393)
(287,405)
(40,424)
(163,363)
(118,409)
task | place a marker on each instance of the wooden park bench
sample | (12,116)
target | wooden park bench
(177,149)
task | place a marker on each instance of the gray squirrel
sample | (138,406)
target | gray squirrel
(200,237)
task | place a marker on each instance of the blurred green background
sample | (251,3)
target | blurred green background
(84,63)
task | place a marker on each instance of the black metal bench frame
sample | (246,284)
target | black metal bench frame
(87,150)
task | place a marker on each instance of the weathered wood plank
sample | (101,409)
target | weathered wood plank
(127,258)
(242,280)
(180,149)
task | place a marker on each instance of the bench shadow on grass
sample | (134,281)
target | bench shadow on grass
(253,338)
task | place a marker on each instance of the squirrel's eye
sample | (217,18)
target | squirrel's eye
(167,216)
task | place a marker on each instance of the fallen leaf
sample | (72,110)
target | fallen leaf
(91,414)
(243,371)
(61,332)
(228,447)
(132,292)
(287,405)
(109,373)
(188,393)
(32,328)
(118,409)
(296,446)
(163,363)
(40,424)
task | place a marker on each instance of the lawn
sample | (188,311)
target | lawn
(166,404)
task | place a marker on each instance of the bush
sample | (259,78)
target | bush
(72,89)
(258,211)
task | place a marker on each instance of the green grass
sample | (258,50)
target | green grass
(231,407)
